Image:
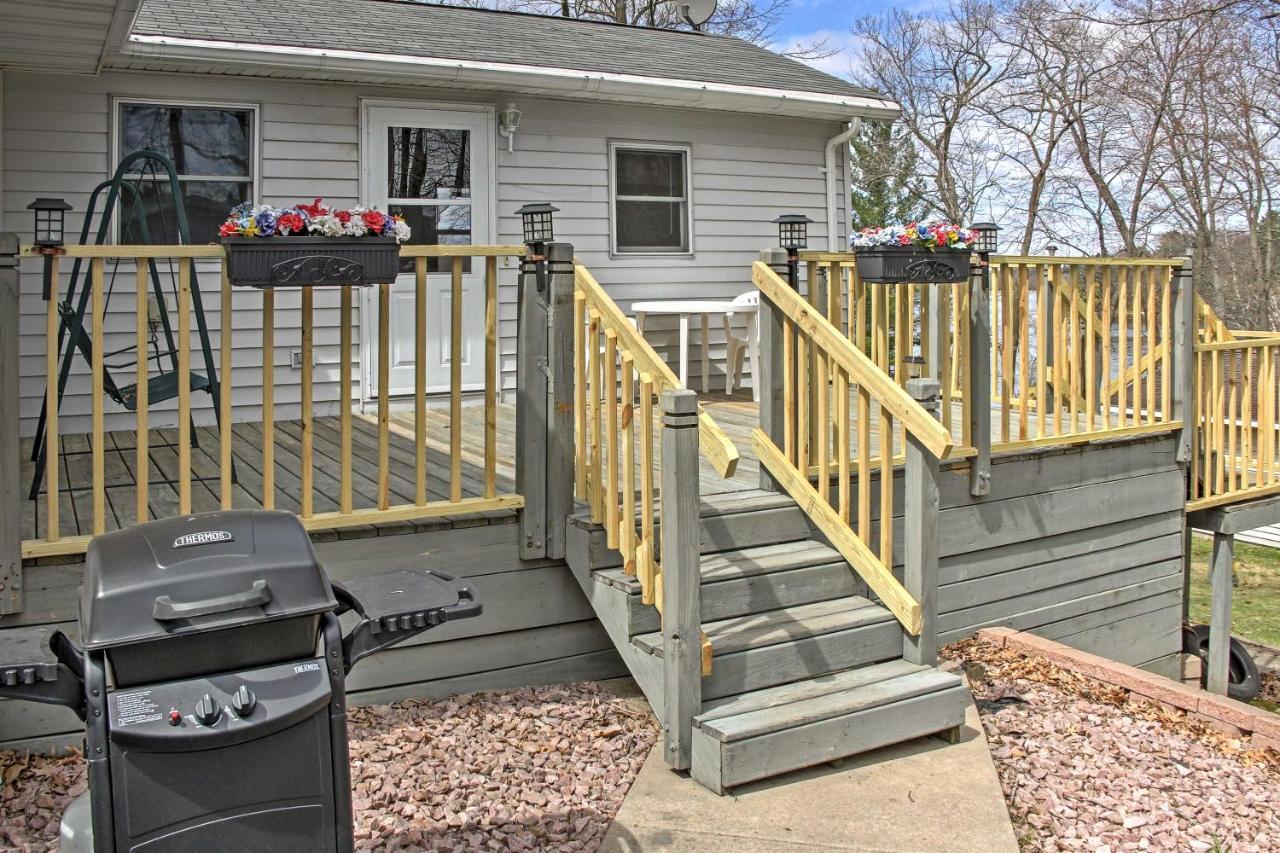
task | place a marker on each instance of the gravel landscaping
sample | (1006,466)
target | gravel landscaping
(541,768)
(1084,766)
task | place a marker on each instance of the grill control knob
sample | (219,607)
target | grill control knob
(207,711)
(244,701)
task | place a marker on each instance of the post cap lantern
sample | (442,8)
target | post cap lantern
(50,214)
(793,231)
(537,221)
(988,238)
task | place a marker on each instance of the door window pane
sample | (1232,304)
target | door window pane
(444,224)
(651,200)
(428,163)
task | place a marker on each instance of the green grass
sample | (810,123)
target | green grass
(1255,601)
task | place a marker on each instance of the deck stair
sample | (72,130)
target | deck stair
(806,667)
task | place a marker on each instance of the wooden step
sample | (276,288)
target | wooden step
(746,581)
(790,644)
(735,521)
(769,732)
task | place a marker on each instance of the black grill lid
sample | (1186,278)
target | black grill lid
(199,573)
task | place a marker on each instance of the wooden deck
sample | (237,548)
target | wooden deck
(737,414)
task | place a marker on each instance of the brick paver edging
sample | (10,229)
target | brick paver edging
(1218,711)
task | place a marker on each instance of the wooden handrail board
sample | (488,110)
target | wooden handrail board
(893,595)
(1240,344)
(713,442)
(861,370)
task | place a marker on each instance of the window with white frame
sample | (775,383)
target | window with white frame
(649,189)
(213,149)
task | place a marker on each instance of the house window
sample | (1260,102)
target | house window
(213,152)
(650,199)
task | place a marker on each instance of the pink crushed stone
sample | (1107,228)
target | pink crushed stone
(535,769)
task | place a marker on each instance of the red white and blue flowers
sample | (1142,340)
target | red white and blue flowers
(915,235)
(315,220)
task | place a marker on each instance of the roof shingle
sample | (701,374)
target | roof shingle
(479,35)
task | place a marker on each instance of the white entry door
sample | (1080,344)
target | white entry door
(433,167)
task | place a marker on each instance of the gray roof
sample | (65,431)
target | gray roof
(450,32)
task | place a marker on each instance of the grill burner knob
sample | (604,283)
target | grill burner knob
(244,701)
(207,711)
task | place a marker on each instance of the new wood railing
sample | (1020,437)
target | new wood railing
(840,414)
(637,437)
(208,478)
(1236,436)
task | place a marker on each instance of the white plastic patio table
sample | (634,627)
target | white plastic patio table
(686,308)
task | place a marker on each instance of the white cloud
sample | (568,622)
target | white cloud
(843,44)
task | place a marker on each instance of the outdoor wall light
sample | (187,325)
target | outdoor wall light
(508,122)
(50,216)
(988,238)
(536,220)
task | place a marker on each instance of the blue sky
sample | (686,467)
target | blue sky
(808,20)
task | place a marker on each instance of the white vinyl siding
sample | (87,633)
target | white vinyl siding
(744,171)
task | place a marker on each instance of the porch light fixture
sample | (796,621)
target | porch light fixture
(50,215)
(1052,249)
(793,232)
(914,365)
(988,238)
(537,222)
(508,122)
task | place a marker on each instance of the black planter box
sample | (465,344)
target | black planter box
(892,265)
(311,261)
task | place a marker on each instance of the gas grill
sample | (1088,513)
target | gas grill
(210,674)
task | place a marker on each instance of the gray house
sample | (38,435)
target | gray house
(819,546)
(668,153)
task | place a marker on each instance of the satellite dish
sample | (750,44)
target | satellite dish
(697,12)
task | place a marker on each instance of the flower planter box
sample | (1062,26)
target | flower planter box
(311,261)
(889,265)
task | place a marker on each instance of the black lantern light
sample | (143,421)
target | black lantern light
(50,214)
(537,221)
(793,232)
(988,242)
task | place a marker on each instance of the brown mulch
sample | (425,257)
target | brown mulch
(1270,687)
(1085,766)
(541,768)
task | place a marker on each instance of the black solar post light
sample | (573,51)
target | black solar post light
(988,238)
(793,235)
(48,234)
(537,221)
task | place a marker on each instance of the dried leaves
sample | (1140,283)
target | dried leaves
(1086,767)
(535,769)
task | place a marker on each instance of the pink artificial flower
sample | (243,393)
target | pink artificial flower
(343,216)
(316,208)
(229,229)
(374,219)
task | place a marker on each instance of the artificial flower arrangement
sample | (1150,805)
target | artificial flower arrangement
(314,220)
(312,245)
(919,252)
(915,235)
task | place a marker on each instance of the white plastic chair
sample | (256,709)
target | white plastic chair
(738,347)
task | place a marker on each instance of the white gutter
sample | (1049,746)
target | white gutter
(836,235)
(475,73)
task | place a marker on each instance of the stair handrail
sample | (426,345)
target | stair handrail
(838,362)
(713,442)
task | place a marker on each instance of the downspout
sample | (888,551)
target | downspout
(835,234)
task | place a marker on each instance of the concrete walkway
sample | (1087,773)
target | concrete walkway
(919,796)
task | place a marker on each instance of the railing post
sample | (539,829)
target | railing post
(10,422)
(1183,353)
(769,322)
(920,549)
(979,379)
(681,576)
(560,393)
(531,404)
